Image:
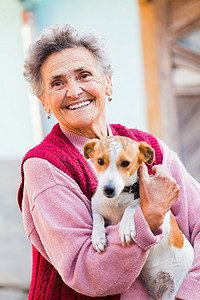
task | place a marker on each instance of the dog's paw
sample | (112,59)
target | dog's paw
(127,231)
(99,241)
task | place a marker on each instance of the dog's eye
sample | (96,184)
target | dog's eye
(125,164)
(100,161)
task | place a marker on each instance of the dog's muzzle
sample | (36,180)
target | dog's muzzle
(109,191)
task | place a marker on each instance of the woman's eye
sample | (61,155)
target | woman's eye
(125,164)
(100,161)
(84,75)
(56,84)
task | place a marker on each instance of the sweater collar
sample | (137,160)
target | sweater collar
(79,140)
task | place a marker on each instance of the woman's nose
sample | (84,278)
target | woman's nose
(73,89)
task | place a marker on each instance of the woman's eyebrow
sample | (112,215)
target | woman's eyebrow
(54,77)
(79,70)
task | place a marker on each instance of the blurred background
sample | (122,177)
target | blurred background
(154,47)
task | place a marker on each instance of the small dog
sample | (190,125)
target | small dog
(116,199)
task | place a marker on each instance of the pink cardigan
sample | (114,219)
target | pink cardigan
(116,270)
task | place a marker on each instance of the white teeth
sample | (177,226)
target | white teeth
(81,104)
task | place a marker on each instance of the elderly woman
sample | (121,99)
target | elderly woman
(71,75)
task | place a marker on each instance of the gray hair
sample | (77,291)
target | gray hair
(56,39)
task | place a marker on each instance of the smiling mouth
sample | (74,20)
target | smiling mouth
(79,105)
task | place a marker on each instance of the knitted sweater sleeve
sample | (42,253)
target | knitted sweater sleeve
(187,213)
(57,219)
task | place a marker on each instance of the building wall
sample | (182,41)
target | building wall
(15,125)
(16,138)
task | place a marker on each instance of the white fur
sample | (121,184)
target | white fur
(165,266)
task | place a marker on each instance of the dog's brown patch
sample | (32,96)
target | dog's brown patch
(130,155)
(99,156)
(175,238)
(160,286)
(146,153)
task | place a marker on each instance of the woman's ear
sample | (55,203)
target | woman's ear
(109,89)
(45,105)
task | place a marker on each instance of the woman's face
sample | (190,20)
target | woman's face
(75,89)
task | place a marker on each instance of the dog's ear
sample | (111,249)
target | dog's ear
(88,149)
(147,154)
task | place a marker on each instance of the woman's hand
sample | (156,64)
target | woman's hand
(158,192)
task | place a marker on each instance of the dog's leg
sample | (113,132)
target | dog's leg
(98,232)
(127,225)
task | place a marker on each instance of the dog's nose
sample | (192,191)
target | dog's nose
(109,191)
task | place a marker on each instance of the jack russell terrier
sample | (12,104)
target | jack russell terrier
(116,199)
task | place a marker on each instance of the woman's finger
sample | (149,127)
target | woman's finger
(143,171)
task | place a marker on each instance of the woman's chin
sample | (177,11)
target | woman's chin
(79,122)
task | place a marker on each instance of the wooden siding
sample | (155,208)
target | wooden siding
(173,110)
(151,72)
(189,133)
